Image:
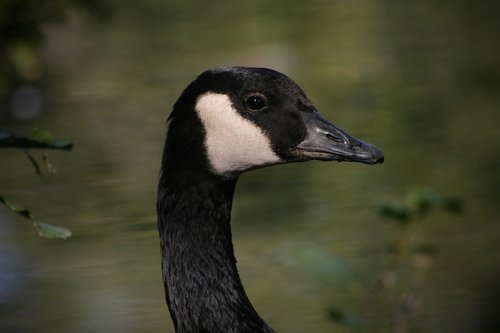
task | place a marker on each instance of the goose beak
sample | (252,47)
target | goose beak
(326,142)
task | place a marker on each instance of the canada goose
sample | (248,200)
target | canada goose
(228,121)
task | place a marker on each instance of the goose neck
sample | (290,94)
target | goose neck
(203,288)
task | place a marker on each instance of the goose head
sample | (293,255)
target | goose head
(228,121)
(241,118)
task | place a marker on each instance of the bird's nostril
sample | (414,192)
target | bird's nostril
(334,138)
(356,148)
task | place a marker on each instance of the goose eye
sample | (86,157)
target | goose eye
(256,102)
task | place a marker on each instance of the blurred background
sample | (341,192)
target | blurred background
(419,79)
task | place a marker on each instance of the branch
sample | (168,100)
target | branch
(8,140)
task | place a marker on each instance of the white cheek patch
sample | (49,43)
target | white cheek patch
(233,143)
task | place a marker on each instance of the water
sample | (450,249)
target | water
(419,80)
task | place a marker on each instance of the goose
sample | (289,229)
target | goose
(228,121)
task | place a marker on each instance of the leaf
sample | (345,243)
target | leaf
(41,135)
(399,213)
(16,208)
(44,230)
(350,319)
(336,314)
(453,205)
(50,231)
(423,200)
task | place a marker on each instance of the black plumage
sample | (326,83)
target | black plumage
(203,289)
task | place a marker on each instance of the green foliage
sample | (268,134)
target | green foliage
(403,251)
(44,230)
(39,139)
(351,320)
(418,204)
(397,213)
